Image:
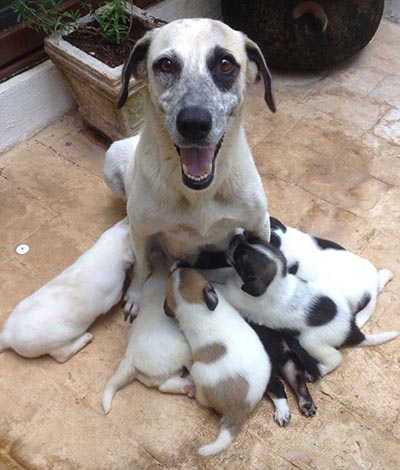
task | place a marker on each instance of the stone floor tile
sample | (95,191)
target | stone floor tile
(388,91)
(343,186)
(54,246)
(74,436)
(380,54)
(70,140)
(389,126)
(21,215)
(297,201)
(56,175)
(98,208)
(342,103)
(386,212)
(295,85)
(357,78)
(375,156)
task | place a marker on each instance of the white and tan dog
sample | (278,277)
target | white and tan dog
(55,318)
(157,351)
(230,368)
(192,179)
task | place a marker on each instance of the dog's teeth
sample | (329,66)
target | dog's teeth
(185,169)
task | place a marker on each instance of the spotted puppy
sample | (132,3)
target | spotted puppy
(315,312)
(292,363)
(157,350)
(55,318)
(230,366)
(313,259)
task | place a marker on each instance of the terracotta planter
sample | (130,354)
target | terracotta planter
(305,35)
(96,86)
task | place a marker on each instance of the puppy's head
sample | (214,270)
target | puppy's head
(186,287)
(197,71)
(256,261)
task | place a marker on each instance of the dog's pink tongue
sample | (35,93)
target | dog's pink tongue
(197,161)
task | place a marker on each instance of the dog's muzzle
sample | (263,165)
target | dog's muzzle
(198,165)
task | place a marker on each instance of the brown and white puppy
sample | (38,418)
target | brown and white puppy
(230,368)
(192,179)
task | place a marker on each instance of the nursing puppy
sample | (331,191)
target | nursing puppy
(313,259)
(54,319)
(230,366)
(315,312)
(192,179)
(292,363)
(157,351)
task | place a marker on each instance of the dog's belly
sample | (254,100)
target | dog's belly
(182,241)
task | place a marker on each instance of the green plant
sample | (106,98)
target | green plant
(50,17)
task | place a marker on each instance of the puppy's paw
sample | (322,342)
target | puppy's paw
(282,416)
(307,408)
(132,304)
(310,377)
(190,390)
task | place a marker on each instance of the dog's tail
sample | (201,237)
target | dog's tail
(125,373)
(379,338)
(229,428)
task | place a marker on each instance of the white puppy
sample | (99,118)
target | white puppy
(314,259)
(230,368)
(315,312)
(54,319)
(157,350)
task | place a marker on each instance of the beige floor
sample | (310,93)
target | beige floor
(330,161)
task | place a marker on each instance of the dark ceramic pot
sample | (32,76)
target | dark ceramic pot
(305,35)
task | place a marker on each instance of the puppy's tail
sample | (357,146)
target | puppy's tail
(125,373)
(379,338)
(227,433)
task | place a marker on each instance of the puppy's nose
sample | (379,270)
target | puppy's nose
(194,122)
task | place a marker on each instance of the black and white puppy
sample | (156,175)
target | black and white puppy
(292,363)
(316,312)
(314,259)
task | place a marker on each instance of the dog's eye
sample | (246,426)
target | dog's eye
(226,65)
(166,65)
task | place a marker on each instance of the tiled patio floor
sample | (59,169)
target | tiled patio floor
(330,162)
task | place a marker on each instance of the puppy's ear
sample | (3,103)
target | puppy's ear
(210,297)
(136,65)
(254,287)
(255,55)
(168,311)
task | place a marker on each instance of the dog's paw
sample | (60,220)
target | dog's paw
(307,408)
(132,304)
(311,378)
(282,416)
(190,390)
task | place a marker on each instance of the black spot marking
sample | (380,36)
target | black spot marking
(294,268)
(223,80)
(355,336)
(275,240)
(276,224)
(327,244)
(211,260)
(365,300)
(322,311)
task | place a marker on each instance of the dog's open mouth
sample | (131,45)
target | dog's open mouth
(198,165)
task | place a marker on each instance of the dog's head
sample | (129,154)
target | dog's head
(256,261)
(187,288)
(197,71)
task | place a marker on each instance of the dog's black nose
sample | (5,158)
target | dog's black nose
(194,122)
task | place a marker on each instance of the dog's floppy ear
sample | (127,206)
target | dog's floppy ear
(136,65)
(255,55)
(210,297)
(168,311)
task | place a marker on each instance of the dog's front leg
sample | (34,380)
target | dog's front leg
(141,271)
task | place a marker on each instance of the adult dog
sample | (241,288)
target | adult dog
(192,179)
